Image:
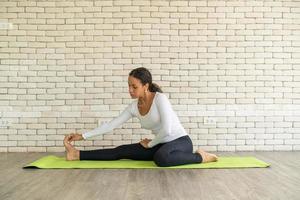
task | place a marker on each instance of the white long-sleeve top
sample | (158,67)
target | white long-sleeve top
(161,119)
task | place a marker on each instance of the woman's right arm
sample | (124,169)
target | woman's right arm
(109,126)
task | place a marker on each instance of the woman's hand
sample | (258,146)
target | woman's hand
(145,142)
(74,137)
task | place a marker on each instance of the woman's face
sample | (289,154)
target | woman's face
(135,87)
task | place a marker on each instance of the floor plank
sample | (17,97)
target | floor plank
(280,181)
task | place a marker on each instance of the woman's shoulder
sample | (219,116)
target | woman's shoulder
(133,106)
(134,103)
(161,97)
(160,94)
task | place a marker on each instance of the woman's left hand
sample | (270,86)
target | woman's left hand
(145,142)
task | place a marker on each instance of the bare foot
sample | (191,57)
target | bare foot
(72,153)
(207,157)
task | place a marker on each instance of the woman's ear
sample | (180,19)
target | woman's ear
(147,86)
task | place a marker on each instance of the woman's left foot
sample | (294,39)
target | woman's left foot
(207,157)
(72,153)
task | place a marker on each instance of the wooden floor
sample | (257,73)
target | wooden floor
(280,181)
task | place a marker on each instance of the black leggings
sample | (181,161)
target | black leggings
(176,152)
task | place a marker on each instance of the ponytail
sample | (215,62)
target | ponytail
(153,87)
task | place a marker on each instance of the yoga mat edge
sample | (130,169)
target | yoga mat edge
(55,162)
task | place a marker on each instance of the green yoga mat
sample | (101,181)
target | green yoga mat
(54,162)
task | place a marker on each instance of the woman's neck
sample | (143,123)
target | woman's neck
(145,99)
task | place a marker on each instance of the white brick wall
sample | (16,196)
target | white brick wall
(64,66)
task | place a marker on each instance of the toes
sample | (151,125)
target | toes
(66,138)
(214,158)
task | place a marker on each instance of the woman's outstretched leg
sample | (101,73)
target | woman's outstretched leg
(128,151)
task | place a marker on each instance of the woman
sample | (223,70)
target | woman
(171,145)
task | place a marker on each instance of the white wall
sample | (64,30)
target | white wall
(64,66)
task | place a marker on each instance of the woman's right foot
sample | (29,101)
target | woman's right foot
(207,157)
(72,153)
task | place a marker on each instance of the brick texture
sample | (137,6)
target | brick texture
(64,67)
